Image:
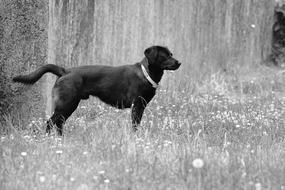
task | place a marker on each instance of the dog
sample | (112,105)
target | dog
(127,86)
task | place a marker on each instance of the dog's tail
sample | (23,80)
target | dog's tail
(37,74)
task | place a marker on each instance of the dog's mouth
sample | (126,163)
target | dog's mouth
(174,66)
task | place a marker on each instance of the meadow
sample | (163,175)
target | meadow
(223,132)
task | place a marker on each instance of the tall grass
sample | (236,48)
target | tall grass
(237,132)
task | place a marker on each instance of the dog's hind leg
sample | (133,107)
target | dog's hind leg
(66,97)
(61,114)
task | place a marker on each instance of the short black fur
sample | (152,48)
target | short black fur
(122,87)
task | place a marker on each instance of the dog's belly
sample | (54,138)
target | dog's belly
(117,98)
(117,89)
(118,102)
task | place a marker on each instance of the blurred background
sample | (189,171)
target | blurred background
(208,37)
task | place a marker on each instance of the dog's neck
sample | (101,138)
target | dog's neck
(154,72)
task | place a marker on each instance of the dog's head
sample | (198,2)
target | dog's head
(161,58)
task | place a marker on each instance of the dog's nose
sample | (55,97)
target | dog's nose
(177,63)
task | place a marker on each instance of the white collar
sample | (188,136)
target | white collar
(154,84)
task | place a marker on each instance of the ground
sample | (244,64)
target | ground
(233,127)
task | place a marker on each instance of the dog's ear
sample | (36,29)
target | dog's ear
(151,54)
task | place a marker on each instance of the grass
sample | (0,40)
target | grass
(235,125)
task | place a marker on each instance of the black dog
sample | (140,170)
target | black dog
(122,87)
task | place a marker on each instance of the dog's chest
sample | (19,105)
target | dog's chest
(145,92)
(120,91)
(124,97)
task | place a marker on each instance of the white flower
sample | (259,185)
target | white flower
(258,186)
(2,139)
(53,177)
(101,172)
(23,153)
(95,177)
(198,163)
(27,137)
(42,179)
(106,181)
(58,152)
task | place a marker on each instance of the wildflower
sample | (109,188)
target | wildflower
(85,153)
(2,139)
(27,137)
(53,177)
(58,152)
(23,153)
(95,177)
(106,181)
(166,143)
(258,186)
(198,163)
(42,179)
(101,172)
(72,179)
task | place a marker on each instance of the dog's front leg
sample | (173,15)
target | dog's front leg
(55,120)
(137,112)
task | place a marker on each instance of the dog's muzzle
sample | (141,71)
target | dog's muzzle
(175,66)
